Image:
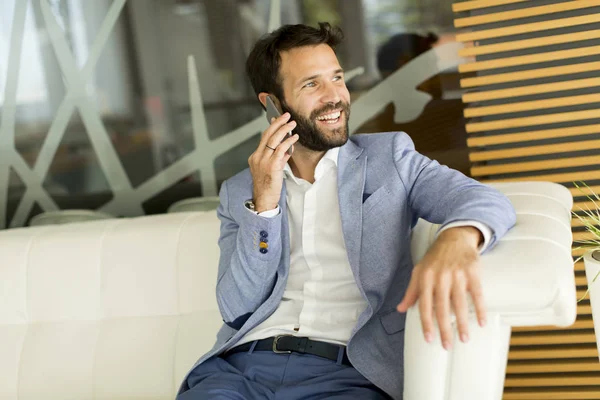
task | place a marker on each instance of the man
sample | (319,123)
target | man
(315,274)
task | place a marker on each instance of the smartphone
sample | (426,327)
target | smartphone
(274,111)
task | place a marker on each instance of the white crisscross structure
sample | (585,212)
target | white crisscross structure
(398,88)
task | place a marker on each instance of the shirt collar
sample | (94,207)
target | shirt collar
(330,158)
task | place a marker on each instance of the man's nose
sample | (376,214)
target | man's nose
(330,94)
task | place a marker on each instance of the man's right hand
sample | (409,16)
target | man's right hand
(268,160)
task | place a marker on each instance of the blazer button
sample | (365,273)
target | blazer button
(264,234)
(263,245)
(264,251)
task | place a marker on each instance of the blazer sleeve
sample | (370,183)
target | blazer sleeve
(442,195)
(246,275)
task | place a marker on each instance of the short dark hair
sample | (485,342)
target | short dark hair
(264,61)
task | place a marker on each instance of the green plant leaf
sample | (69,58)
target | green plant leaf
(591,221)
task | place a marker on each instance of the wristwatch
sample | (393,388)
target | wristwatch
(249,204)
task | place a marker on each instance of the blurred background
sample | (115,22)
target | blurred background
(72,137)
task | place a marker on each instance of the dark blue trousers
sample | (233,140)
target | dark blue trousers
(266,375)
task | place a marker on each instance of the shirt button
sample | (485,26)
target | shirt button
(263,245)
(264,234)
(264,251)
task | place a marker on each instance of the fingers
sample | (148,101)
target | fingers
(276,132)
(442,308)
(441,293)
(461,309)
(276,123)
(281,150)
(263,157)
(278,138)
(477,296)
(426,304)
(412,292)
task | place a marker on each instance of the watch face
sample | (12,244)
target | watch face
(249,205)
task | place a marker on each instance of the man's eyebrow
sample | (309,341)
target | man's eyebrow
(310,78)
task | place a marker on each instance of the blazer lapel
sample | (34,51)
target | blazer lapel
(352,168)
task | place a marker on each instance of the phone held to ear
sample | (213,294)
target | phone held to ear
(274,111)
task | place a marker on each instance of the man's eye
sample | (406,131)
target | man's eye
(310,84)
(338,78)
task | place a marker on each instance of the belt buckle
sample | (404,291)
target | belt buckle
(275,341)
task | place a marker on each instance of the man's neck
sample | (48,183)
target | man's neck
(304,162)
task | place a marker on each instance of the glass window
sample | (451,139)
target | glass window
(130,105)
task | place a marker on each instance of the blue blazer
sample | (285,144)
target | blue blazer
(384,186)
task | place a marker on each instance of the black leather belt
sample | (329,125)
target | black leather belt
(285,344)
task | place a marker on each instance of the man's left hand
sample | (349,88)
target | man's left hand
(443,279)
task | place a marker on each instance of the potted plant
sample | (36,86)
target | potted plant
(591,258)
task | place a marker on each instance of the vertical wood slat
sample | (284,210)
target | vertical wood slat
(529,131)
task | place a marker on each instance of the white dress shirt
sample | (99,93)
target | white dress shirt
(321,300)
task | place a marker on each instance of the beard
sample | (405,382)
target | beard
(311,136)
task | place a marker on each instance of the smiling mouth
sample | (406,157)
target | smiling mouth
(330,118)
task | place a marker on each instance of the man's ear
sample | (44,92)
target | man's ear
(262,97)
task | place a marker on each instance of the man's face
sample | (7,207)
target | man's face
(315,94)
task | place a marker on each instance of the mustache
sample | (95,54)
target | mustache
(330,107)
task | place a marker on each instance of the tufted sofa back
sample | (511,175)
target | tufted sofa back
(114,309)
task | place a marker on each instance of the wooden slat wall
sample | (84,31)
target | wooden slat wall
(532,97)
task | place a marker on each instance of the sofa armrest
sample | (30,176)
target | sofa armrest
(527,280)
(528,277)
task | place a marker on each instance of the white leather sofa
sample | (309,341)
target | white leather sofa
(121,308)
